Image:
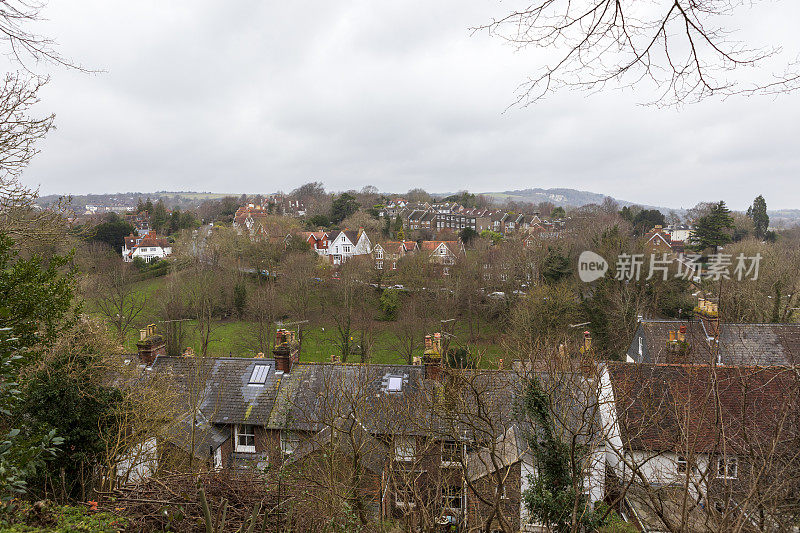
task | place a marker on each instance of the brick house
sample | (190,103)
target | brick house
(389,253)
(317,240)
(695,442)
(394,421)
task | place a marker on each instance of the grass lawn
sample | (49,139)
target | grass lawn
(235,338)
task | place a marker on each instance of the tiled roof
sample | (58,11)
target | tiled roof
(220,387)
(430,246)
(703,409)
(739,344)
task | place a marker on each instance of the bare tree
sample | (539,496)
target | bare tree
(681,46)
(115,296)
(262,311)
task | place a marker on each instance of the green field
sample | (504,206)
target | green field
(236,338)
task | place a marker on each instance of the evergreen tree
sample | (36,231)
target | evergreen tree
(710,230)
(556,490)
(758,213)
(647,219)
(342,207)
(35,302)
(240,299)
(158,217)
(398,225)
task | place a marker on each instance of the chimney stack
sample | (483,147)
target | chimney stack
(432,357)
(150,345)
(286,351)
(709,316)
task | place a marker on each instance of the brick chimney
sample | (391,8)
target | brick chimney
(150,345)
(432,357)
(286,351)
(709,316)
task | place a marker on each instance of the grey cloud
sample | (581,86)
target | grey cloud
(252,96)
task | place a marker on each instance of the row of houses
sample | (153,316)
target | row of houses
(454,218)
(340,245)
(672,444)
(252,217)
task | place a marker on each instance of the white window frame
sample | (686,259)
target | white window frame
(448,496)
(727,467)
(681,465)
(404,496)
(290,440)
(405,449)
(446,456)
(240,431)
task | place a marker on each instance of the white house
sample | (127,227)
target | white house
(342,245)
(148,247)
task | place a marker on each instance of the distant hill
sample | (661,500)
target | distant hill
(564,198)
(782,218)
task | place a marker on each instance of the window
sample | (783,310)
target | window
(727,467)
(446,271)
(680,465)
(404,449)
(404,495)
(395,384)
(245,438)
(259,375)
(346,248)
(379,254)
(451,496)
(379,265)
(503,276)
(451,452)
(289,442)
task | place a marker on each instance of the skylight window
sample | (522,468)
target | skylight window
(395,384)
(259,376)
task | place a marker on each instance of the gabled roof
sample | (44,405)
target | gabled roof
(453,247)
(351,235)
(704,409)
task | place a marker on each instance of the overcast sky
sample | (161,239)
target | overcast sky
(252,96)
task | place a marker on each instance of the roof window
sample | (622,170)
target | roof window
(259,375)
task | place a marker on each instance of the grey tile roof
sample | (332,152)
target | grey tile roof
(220,387)
(739,344)
(479,405)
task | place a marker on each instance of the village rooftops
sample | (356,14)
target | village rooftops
(735,344)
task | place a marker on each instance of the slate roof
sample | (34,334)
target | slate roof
(314,397)
(220,387)
(739,344)
(350,234)
(705,409)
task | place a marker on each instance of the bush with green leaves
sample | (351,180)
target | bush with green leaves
(24,517)
(35,307)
